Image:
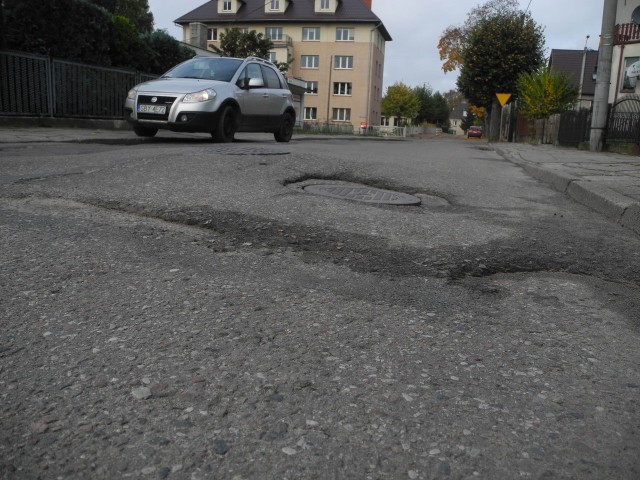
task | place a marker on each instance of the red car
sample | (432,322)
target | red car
(474,131)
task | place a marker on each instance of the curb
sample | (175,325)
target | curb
(613,205)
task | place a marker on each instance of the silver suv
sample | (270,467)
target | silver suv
(218,95)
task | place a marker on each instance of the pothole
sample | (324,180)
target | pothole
(362,193)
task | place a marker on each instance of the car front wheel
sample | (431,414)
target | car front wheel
(226,127)
(145,131)
(285,131)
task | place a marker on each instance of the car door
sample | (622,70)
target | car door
(277,96)
(253,99)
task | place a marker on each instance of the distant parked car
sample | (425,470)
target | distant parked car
(474,131)
(216,95)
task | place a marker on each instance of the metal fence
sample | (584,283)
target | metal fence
(327,128)
(624,120)
(624,127)
(575,127)
(35,85)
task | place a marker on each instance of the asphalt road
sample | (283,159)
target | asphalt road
(181,309)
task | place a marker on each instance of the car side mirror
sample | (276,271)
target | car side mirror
(256,83)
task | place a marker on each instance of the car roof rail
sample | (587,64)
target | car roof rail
(258,59)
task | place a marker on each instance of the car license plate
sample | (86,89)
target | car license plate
(155,109)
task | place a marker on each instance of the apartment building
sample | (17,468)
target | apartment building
(337,48)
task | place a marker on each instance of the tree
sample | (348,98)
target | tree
(71,29)
(236,43)
(137,11)
(453,38)
(433,106)
(478,113)
(468,120)
(440,112)
(167,52)
(454,98)
(543,93)
(126,47)
(400,101)
(239,44)
(497,50)
(91,32)
(425,97)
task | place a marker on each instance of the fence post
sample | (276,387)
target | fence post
(51,85)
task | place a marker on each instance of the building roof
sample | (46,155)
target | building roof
(458,110)
(298,11)
(570,62)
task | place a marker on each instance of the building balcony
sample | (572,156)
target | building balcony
(284,42)
(626,33)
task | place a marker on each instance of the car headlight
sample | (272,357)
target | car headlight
(132,94)
(203,96)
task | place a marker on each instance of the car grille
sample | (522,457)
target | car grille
(146,99)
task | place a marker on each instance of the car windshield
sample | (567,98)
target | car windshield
(210,68)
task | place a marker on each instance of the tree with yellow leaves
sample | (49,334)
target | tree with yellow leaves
(453,38)
(543,93)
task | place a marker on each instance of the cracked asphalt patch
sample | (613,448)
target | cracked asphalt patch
(362,254)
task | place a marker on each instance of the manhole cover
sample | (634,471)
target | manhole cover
(234,150)
(363,194)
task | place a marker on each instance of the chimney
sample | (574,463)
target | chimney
(198,35)
(367,3)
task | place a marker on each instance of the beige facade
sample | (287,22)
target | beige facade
(342,62)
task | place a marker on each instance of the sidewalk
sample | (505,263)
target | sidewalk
(606,182)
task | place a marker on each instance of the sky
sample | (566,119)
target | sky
(412,57)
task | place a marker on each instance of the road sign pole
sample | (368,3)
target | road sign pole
(503,98)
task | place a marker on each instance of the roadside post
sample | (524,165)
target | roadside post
(503,98)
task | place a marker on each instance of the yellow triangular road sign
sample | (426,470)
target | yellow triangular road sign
(503,98)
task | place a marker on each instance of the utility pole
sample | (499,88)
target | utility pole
(584,61)
(601,96)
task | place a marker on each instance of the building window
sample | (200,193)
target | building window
(384,121)
(243,30)
(274,33)
(342,88)
(345,34)
(341,114)
(274,5)
(324,4)
(343,61)
(212,34)
(312,88)
(311,34)
(226,6)
(273,57)
(629,83)
(310,113)
(310,61)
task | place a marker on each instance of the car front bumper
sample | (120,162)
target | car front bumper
(185,121)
